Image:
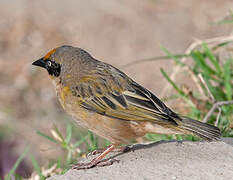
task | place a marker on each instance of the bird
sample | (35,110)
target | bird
(104,100)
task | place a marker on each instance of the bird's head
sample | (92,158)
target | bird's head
(50,63)
(65,61)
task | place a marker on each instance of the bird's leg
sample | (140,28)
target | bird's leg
(97,161)
(122,149)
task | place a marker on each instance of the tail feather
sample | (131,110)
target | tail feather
(201,129)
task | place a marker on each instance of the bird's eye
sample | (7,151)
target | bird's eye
(49,63)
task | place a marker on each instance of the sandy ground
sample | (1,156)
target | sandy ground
(167,161)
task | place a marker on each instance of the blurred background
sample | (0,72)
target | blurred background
(116,32)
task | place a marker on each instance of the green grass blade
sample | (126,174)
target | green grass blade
(216,91)
(18,161)
(47,137)
(37,167)
(59,133)
(175,58)
(94,142)
(212,58)
(78,143)
(172,83)
(227,79)
(225,22)
(199,59)
(221,45)
(69,158)
(68,133)
(85,140)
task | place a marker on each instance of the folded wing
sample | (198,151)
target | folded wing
(122,98)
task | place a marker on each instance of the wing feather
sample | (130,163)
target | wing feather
(123,99)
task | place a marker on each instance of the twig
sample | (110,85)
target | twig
(216,105)
(196,81)
(207,88)
(218,116)
(157,58)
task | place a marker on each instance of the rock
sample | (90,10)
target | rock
(165,161)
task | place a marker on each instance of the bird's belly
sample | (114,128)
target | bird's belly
(114,130)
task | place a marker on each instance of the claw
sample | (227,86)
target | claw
(95,152)
(79,166)
(107,162)
(94,163)
(98,160)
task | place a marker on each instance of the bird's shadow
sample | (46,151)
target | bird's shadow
(136,147)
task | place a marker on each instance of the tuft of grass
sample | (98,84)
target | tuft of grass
(218,78)
(72,150)
(217,75)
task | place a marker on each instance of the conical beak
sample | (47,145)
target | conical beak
(40,62)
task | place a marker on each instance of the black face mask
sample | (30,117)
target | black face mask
(52,67)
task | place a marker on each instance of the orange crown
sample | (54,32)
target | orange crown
(47,56)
